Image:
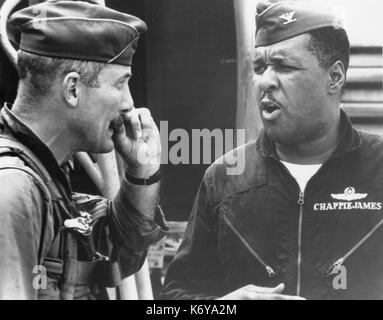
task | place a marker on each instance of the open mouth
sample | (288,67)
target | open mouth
(270,110)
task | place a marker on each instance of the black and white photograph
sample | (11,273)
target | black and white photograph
(208,151)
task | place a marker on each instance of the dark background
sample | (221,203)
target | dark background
(184,71)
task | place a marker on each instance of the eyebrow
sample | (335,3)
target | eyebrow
(126,75)
(277,57)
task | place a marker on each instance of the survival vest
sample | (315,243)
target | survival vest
(61,262)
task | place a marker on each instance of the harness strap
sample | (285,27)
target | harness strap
(71,271)
(7,142)
(67,285)
(46,194)
(33,168)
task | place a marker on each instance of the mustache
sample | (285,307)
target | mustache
(271,98)
(117,123)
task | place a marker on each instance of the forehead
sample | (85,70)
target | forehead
(115,71)
(294,48)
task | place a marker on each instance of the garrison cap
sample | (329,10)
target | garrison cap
(278,21)
(78,30)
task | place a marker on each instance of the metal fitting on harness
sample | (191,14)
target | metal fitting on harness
(81,224)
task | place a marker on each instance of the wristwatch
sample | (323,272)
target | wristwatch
(144,181)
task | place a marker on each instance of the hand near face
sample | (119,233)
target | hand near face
(138,142)
(251,292)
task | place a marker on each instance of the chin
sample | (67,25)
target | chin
(106,147)
(273,133)
(279,136)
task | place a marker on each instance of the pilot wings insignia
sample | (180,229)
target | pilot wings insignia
(288,17)
(349,195)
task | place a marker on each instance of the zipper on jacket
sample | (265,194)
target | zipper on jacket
(334,268)
(268,269)
(299,261)
(300,203)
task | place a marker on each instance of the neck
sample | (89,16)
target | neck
(316,151)
(46,121)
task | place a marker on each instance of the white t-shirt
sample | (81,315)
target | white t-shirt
(302,172)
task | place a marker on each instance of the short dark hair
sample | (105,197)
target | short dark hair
(329,45)
(38,72)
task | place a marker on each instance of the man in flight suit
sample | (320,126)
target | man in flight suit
(305,218)
(74,64)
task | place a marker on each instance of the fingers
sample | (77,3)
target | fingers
(139,143)
(133,123)
(268,296)
(266,293)
(145,118)
(137,120)
(257,289)
(252,292)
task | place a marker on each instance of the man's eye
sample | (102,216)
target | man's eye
(284,67)
(122,83)
(259,69)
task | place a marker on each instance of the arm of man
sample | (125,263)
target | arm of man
(138,142)
(137,215)
(135,218)
(22,209)
(136,221)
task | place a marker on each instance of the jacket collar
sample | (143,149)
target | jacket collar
(349,140)
(13,125)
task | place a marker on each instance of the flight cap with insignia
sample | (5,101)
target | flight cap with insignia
(278,21)
(78,30)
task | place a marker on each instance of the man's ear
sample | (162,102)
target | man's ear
(71,88)
(337,77)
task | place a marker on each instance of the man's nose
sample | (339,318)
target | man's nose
(127,100)
(268,81)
